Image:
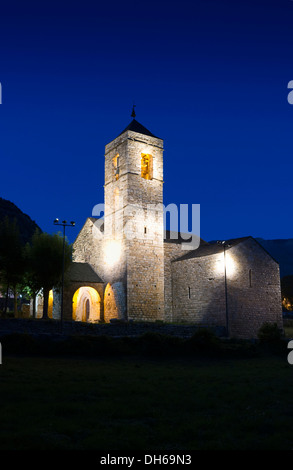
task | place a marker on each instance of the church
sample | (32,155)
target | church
(128,267)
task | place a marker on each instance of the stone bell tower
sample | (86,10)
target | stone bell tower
(134,220)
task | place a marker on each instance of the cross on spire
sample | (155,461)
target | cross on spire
(133,111)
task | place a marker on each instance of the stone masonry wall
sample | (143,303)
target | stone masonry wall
(254,297)
(253,290)
(115,329)
(130,218)
(171,252)
(145,281)
(198,292)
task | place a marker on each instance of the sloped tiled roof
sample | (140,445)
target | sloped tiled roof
(82,272)
(207,249)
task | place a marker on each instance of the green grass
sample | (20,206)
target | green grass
(137,403)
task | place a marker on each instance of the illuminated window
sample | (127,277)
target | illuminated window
(146,166)
(116,162)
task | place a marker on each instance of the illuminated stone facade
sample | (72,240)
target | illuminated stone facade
(131,238)
(249,297)
(142,276)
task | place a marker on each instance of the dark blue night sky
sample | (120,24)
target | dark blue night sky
(209,77)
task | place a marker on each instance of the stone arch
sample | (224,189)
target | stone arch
(114,302)
(50,304)
(110,306)
(40,304)
(86,305)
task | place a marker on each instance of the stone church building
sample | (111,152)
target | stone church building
(127,266)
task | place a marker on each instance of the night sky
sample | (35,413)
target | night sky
(208,77)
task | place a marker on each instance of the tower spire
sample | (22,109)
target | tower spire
(133,111)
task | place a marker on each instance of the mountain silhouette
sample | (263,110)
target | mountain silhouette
(25,224)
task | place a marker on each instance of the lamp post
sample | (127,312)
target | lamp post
(225,245)
(63,224)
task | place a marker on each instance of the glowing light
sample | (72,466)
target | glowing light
(86,305)
(230,265)
(146,166)
(112,252)
(50,304)
(116,166)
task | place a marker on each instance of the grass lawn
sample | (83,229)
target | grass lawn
(137,403)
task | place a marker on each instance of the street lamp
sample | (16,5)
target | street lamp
(63,224)
(225,245)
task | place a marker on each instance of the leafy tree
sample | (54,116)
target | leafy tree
(32,284)
(12,259)
(45,259)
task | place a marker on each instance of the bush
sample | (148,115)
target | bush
(269,333)
(157,344)
(204,340)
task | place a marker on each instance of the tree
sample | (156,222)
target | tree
(45,258)
(12,259)
(32,284)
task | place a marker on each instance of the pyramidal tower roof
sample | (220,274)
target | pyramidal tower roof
(135,126)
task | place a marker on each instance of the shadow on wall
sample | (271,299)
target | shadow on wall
(245,312)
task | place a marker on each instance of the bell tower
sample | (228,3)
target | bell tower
(134,220)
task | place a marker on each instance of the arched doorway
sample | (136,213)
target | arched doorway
(114,302)
(40,304)
(110,306)
(86,305)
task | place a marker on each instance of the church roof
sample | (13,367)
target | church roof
(135,126)
(208,249)
(82,272)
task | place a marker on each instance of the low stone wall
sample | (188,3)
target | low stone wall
(115,329)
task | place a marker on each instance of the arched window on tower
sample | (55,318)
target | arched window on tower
(116,162)
(146,166)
